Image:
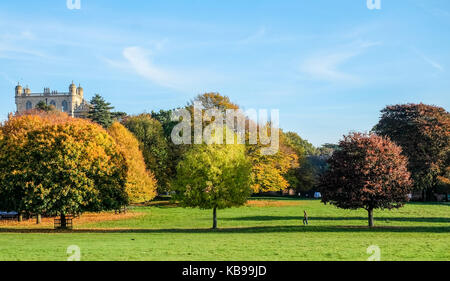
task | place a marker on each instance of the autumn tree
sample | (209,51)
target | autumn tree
(269,172)
(443,185)
(423,132)
(141,183)
(53,164)
(154,147)
(213,177)
(367,171)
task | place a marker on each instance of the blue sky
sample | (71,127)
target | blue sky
(328,66)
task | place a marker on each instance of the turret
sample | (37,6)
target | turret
(27,91)
(80,91)
(19,90)
(72,89)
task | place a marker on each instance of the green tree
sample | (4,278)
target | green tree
(174,152)
(154,147)
(269,172)
(44,107)
(164,117)
(304,176)
(303,147)
(100,111)
(213,177)
(118,116)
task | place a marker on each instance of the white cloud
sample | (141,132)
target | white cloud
(428,60)
(140,62)
(260,33)
(327,66)
(434,64)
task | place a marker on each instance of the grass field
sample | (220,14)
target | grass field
(266,229)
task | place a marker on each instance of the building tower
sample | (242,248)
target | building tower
(80,91)
(27,91)
(19,90)
(72,89)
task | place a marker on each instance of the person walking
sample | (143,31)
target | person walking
(305,218)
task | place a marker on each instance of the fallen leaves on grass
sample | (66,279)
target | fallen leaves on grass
(83,219)
(267,203)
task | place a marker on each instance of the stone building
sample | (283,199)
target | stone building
(71,102)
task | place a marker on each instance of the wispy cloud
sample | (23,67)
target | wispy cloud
(140,61)
(433,63)
(428,60)
(327,66)
(253,37)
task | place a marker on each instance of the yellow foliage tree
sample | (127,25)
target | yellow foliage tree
(269,172)
(53,164)
(141,184)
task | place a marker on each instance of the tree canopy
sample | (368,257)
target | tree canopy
(44,107)
(54,164)
(154,147)
(100,111)
(367,171)
(423,132)
(269,172)
(213,177)
(141,183)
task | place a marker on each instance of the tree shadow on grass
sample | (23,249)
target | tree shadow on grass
(430,203)
(281,198)
(380,219)
(249,230)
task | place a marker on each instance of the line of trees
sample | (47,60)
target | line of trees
(55,165)
(409,149)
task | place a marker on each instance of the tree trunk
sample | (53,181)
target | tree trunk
(38,219)
(370,211)
(63,221)
(430,195)
(215,218)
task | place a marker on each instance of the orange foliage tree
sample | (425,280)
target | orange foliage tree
(53,164)
(141,183)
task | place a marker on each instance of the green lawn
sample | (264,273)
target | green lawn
(419,231)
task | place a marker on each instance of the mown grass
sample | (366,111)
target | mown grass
(266,229)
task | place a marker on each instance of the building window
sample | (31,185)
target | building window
(29,105)
(52,102)
(65,106)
